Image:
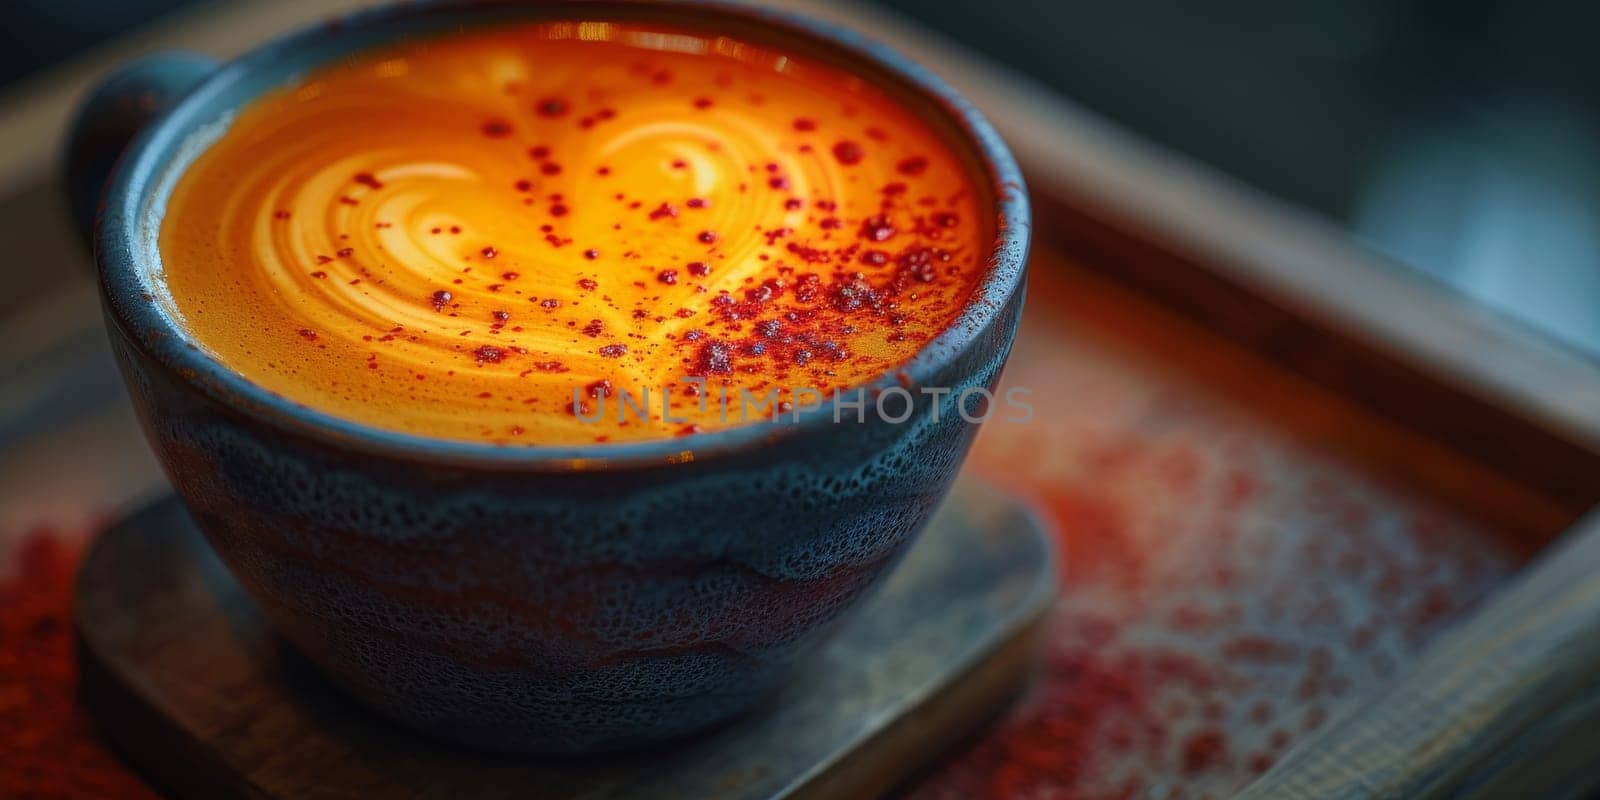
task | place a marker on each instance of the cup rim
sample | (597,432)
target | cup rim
(127,214)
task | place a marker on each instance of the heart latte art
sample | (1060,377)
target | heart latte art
(449,237)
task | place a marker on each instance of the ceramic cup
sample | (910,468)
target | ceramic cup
(546,599)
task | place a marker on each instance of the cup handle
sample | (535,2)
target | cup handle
(121,106)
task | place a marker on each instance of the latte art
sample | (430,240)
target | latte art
(448,237)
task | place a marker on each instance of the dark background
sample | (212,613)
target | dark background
(1460,136)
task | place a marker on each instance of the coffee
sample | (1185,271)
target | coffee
(499,234)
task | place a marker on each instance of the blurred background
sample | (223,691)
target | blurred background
(1461,137)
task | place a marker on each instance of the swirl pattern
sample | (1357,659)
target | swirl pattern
(497,235)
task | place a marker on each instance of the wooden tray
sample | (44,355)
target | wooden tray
(1495,688)
(181,671)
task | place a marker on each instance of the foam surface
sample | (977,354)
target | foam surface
(492,236)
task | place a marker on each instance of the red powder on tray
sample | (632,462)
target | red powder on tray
(47,741)
(1225,591)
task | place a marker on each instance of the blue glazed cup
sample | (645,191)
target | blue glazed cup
(544,599)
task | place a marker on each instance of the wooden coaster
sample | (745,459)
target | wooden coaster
(187,681)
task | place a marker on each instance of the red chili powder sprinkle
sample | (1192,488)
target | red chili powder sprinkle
(803,124)
(699,269)
(367,179)
(715,357)
(441,298)
(489,252)
(496,129)
(614,350)
(848,152)
(707,237)
(914,165)
(551,107)
(877,229)
(667,276)
(591,254)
